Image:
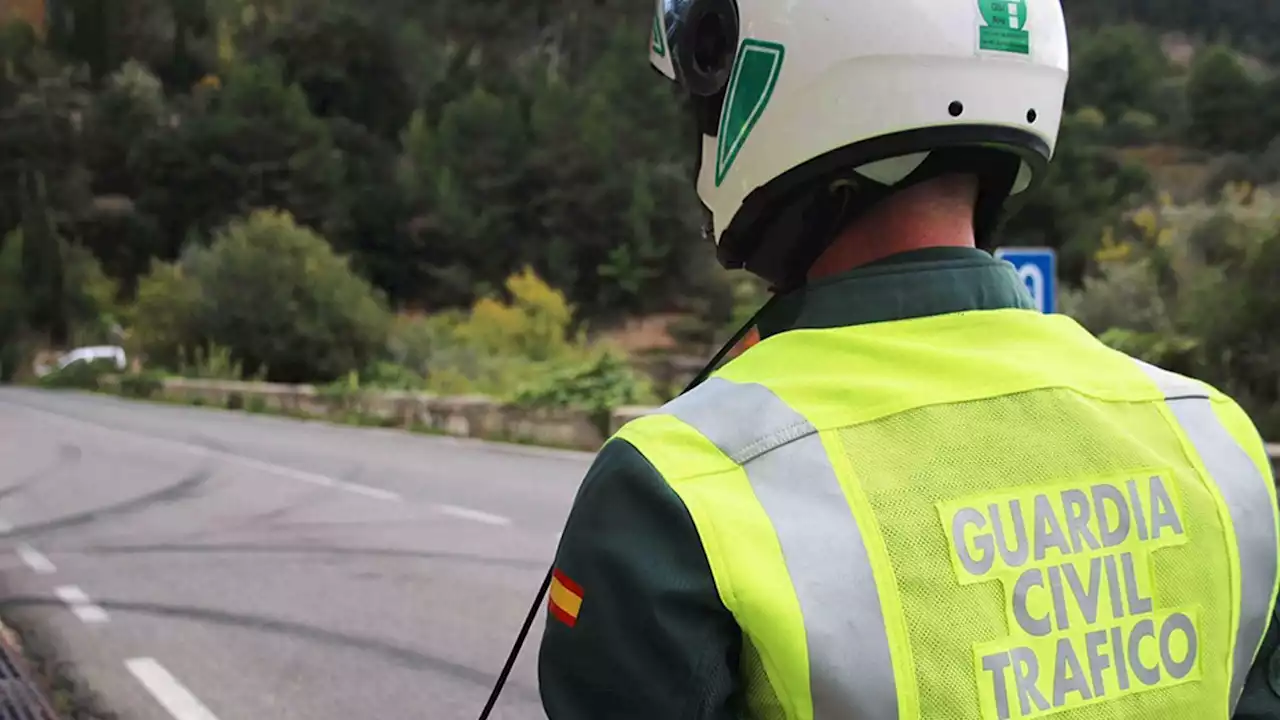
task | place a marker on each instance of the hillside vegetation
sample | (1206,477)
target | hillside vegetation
(461,196)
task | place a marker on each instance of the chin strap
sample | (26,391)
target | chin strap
(698,379)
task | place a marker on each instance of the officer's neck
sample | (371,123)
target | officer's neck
(925,216)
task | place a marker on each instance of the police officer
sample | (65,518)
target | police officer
(914,496)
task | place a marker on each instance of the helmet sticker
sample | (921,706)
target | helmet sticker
(1004,27)
(755,73)
(659,43)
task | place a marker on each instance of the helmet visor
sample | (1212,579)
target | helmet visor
(668,21)
(699,41)
(673,13)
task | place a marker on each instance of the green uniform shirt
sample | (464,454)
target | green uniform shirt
(651,638)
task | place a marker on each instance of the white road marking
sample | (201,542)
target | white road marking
(304,476)
(476,515)
(167,691)
(80,604)
(280,470)
(369,491)
(36,560)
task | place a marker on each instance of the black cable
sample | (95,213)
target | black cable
(728,346)
(546,582)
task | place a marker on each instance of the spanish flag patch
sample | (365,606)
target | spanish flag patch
(565,598)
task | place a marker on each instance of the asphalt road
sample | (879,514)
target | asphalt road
(197,564)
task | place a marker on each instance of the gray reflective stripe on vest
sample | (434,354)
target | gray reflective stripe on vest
(850,670)
(1244,489)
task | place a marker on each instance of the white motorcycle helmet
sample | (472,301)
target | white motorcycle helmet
(809,112)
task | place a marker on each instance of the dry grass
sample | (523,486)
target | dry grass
(1182,172)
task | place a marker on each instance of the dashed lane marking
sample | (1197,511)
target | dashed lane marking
(80,604)
(473,515)
(36,560)
(167,691)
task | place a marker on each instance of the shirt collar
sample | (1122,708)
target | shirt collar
(917,283)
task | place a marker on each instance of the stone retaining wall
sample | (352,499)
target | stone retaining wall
(478,417)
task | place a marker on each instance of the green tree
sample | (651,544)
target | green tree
(1116,69)
(372,222)
(13,306)
(256,145)
(1086,189)
(1224,103)
(1252,25)
(130,107)
(41,107)
(71,303)
(42,271)
(1270,107)
(346,64)
(464,182)
(621,219)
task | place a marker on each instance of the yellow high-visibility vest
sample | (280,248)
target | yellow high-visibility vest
(982,515)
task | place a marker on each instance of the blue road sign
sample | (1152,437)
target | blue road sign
(1038,268)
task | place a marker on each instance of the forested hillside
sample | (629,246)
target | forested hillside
(442,147)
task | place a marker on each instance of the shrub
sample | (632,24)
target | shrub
(274,294)
(143,385)
(597,385)
(1120,294)
(498,346)
(214,363)
(1253,168)
(164,317)
(450,360)
(83,375)
(534,324)
(1089,121)
(416,340)
(1136,128)
(1192,289)
(390,376)
(277,295)
(344,394)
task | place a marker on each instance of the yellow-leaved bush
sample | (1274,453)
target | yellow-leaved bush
(497,346)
